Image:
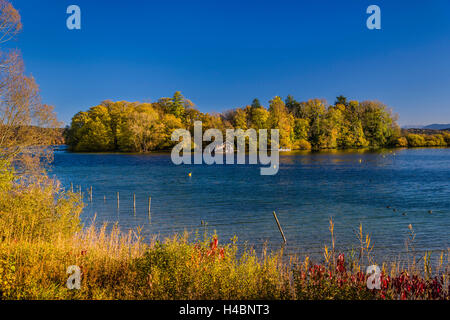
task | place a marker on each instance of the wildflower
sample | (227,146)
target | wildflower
(214,243)
(341,263)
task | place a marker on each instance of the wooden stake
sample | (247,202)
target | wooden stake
(118,201)
(91,193)
(149,206)
(134,203)
(279,226)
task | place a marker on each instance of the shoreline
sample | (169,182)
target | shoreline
(324,151)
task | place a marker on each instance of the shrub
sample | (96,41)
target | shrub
(36,208)
(436,140)
(415,140)
(401,142)
(178,269)
(447,138)
(7,277)
(302,144)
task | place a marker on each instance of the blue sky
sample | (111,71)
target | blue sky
(222,54)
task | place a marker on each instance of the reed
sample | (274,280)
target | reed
(149,209)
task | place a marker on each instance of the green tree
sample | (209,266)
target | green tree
(314,111)
(352,133)
(118,113)
(256,104)
(301,129)
(292,105)
(341,100)
(380,127)
(177,105)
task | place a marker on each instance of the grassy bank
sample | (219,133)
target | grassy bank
(125,266)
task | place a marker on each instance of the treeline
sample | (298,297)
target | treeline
(304,125)
(441,139)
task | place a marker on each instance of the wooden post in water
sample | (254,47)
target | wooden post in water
(90,194)
(134,203)
(104,199)
(279,226)
(118,201)
(149,206)
(71,187)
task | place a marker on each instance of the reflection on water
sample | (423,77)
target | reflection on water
(354,187)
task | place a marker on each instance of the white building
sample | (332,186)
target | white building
(226,147)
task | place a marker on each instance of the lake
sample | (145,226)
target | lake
(351,186)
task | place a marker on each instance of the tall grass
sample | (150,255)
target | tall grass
(118,265)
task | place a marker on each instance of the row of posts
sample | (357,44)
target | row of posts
(118,199)
(150,204)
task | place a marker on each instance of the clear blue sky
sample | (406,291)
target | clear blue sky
(222,54)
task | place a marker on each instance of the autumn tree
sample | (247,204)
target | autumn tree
(280,119)
(21,109)
(313,124)
(240,119)
(10,24)
(259,118)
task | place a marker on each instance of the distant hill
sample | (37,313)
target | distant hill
(437,127)
(413,126)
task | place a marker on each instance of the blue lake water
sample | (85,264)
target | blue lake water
(353,187)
